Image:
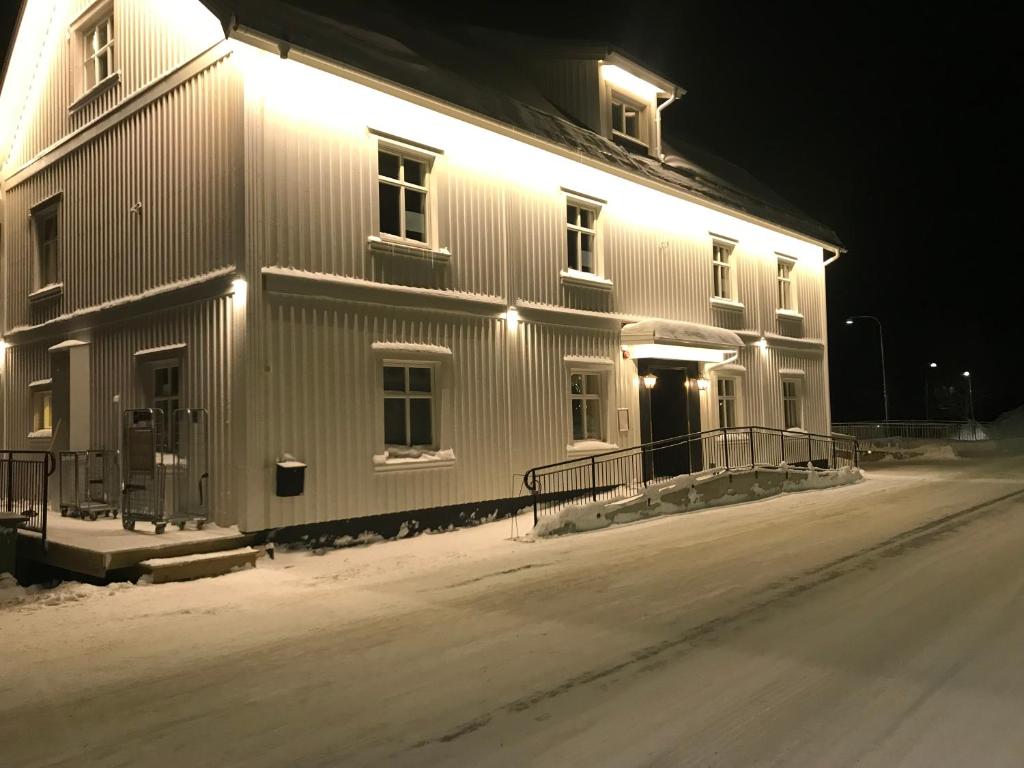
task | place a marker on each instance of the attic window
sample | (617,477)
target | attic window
(628,119)
(98,50)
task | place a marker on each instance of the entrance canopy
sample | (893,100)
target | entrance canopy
(679,340)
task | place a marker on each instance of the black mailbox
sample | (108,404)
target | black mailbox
(291,477)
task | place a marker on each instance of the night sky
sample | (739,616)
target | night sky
(894,123)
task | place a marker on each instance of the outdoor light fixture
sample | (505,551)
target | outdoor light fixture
(512,319)
(240,291)
(881,353)
(703,385)
(967,374)
(933,365)
(762,344)
(650,380)
(849,321)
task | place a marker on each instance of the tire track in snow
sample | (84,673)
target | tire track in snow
(769,598)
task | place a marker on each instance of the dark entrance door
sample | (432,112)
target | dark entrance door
(673,410)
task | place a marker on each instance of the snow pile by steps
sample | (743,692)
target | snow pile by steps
(687,493)
(13,594)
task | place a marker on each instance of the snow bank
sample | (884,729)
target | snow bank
(687,493)
(681,332)
(13,595)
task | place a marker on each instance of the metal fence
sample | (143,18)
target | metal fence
(24,481)
(610,474)
(869,431)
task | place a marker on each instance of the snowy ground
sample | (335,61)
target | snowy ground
(875,624)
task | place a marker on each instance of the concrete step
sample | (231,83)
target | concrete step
(200,566)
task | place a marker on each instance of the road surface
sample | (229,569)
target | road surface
(875,625)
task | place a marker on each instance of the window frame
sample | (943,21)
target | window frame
(407,395)
(41,408)
(723,271)
(786,282)
(578,230)
(47,211)
(87,31)
(617,98)
(147,363)
(732,399)
(796,399)
(428,189)
(600,398)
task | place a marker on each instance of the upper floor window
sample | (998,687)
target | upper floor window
(402,194)
(46,234)
(585,393)
(722,271)
(409,405)
(98,47)
(787,296)
(628,119)
(727,402)
(581,236)
(792,407)
(42,409)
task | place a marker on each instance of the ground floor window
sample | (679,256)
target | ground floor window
(408,405)
(42,409)
(586,398)
(727,402)
(792,408)
(162,390)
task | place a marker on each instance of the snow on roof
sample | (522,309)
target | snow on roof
(679,332)
(159,350)
(485,74)
(69,344)
(400,346)
(40,383)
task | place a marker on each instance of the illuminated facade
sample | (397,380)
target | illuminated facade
(416,296)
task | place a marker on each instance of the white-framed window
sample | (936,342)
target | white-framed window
(792,404)
(46,234)
(97,46)
(786,283)
(403,187)
(42,409)
(409,411)
(628,119)
(581,236)
(727,402)
(587,404)
(722,271)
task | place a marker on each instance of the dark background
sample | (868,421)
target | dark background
(896,124)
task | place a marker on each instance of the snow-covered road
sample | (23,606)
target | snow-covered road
(873,625)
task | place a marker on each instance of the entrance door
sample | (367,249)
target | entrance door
(674,411)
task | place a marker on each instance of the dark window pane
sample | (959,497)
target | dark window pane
(419,422)
(415,215)
(394,421)
(594,419)
(586,218)
(576,384)
(160,385)
(616,116)
(587,253)
(572,243)
(571,214)
(419,379)
(394,379)
(415,172)
(390,221)
(593,384)
(632,118)
(103,68)
(577,420)
(387,165)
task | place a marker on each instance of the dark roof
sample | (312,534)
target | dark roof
(458,65)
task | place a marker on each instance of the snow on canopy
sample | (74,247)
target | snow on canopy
(680,332)
(487,72)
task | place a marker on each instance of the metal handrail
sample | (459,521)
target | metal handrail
(913,429)
(606,473)
(24,486)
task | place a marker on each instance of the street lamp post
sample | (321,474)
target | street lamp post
(881,349)
(970,395)
(928,388)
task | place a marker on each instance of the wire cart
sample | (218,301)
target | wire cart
(165,474)
(88,484)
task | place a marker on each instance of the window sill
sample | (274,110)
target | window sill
(736,306)
(585,280)
(589,448)
(51,291)
(788,314)
(385,462)
(40,434)
(387,247)
(110,81)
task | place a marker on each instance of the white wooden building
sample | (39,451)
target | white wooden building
(417,272)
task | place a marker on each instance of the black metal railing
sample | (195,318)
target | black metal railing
(866,431)
(610,474)
(24,481)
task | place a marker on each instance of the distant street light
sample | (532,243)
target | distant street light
(970,394)
(928,388)
(881,349)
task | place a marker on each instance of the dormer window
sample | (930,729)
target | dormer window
(628,119)
(98,46)
(92,55)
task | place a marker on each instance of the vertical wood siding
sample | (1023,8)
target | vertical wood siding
(151,37)
(176,158)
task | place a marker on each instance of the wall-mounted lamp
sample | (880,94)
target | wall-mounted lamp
(967,374)
(703,384)
(240,291)
(512,319)
(933,365)
(650,380)
(762,344)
